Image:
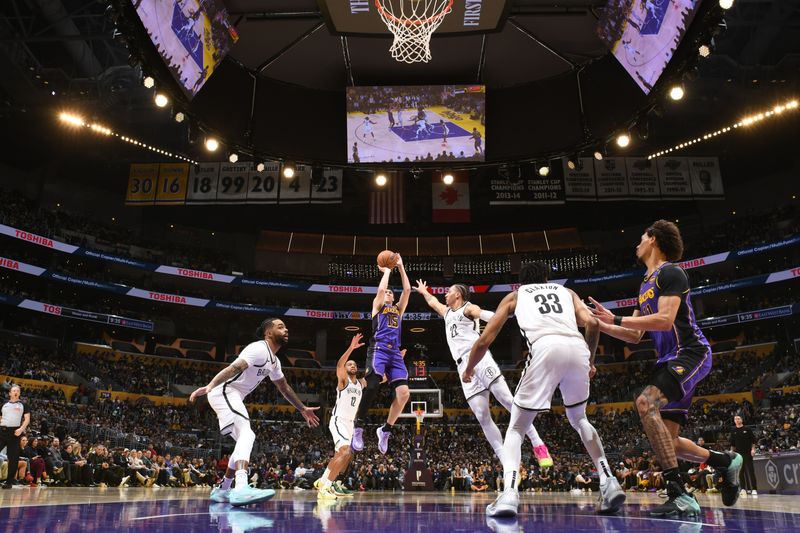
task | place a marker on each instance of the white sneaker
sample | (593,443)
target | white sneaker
(753,493)
(124,480)
(505,505)
(611,497)
(220,496)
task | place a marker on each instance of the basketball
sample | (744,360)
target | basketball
(387,259)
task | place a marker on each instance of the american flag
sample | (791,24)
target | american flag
(387,204)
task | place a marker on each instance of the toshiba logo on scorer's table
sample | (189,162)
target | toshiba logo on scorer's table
(194,274)
(36,239)
(172,298)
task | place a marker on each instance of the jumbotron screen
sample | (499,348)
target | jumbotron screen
(192,37)
(413,124)
(644,34)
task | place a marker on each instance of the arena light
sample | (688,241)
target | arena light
(598,155)
(448,178)
(380,179)
(417,330)
(212,144)
(352,328)
(544,170)
(234,157)
(71,119)
(676,92)
(623,140)
(726,4)
(704,50)
(149,82)
(288,170)
(745,122)
(161,100)
(179,117)
(260,167)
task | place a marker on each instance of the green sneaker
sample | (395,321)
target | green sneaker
(727,480)
(341,490)
(679,503)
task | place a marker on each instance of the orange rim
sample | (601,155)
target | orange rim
(409,22)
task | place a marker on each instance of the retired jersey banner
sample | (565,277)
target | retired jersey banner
(450,202)
(297,189)
(579,183)
(172,178)
(706,177)
(642,178)
(262,186)
(326,185)
(142,182)
(232,183)
(612,179)
(202,183)
(674,178)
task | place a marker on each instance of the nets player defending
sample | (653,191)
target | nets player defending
(462,331)
(348,397)
(384,357)
(226,393)
(548,316)
(684,359)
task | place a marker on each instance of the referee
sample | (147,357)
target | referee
(744,443)
(14,418)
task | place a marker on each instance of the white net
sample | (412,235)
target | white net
(412,22)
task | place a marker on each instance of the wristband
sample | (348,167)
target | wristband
(617,320)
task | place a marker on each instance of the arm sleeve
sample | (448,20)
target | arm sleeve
(672,281)
(277,372)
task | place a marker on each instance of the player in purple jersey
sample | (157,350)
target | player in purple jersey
(684,359)
(385,358)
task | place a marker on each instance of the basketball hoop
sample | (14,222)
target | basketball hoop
(412,22)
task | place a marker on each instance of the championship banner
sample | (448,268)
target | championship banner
(326,186)
(450,202)
(579,183)
(674,178)
(202,183)
(507,190)
(262,187)
(612,179)
(297,189)
(544,190)
(172,178)
(642,178)
(232,183)
(706,177)
(142,181)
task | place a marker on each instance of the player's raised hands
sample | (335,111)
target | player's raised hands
(399,260)
(601,313)
(421,287)
(311,417)
(355,342)
(384,270)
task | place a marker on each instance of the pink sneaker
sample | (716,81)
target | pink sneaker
(543,456)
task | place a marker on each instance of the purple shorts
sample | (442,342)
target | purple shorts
(687,370)
(382,359)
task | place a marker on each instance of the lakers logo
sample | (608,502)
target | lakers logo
(679,370)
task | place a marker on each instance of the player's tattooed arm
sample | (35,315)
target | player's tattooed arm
(291,396)
(506,308)
(591,333)
(430,299)
(239,365)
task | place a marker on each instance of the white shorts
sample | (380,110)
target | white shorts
(554,361)
(486,373)
(228,404)
(342,431)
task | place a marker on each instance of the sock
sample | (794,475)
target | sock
(226,483)
(241,479)
(327,483)
(387,427)
(718,459)
(674,475)
(326,474)
(603,470)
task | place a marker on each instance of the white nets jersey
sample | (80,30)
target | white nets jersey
(347,401)
(261,362)
(462,332)
(546,309)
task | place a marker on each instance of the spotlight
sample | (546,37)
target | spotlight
(75,120)
(676,92)
(598,155)
(161,100)
(726,4)
(260,167)
(448,178)
(212,144)
(179,117)
(149,82)
(544,170)
(288,170)
(623,140)
(233,158)
(704,50)
(380,180)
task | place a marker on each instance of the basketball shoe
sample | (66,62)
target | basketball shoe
(543,456)
(727,479)
(505,505)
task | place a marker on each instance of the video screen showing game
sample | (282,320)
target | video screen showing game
(416,124)
(644,34)
(192,37)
